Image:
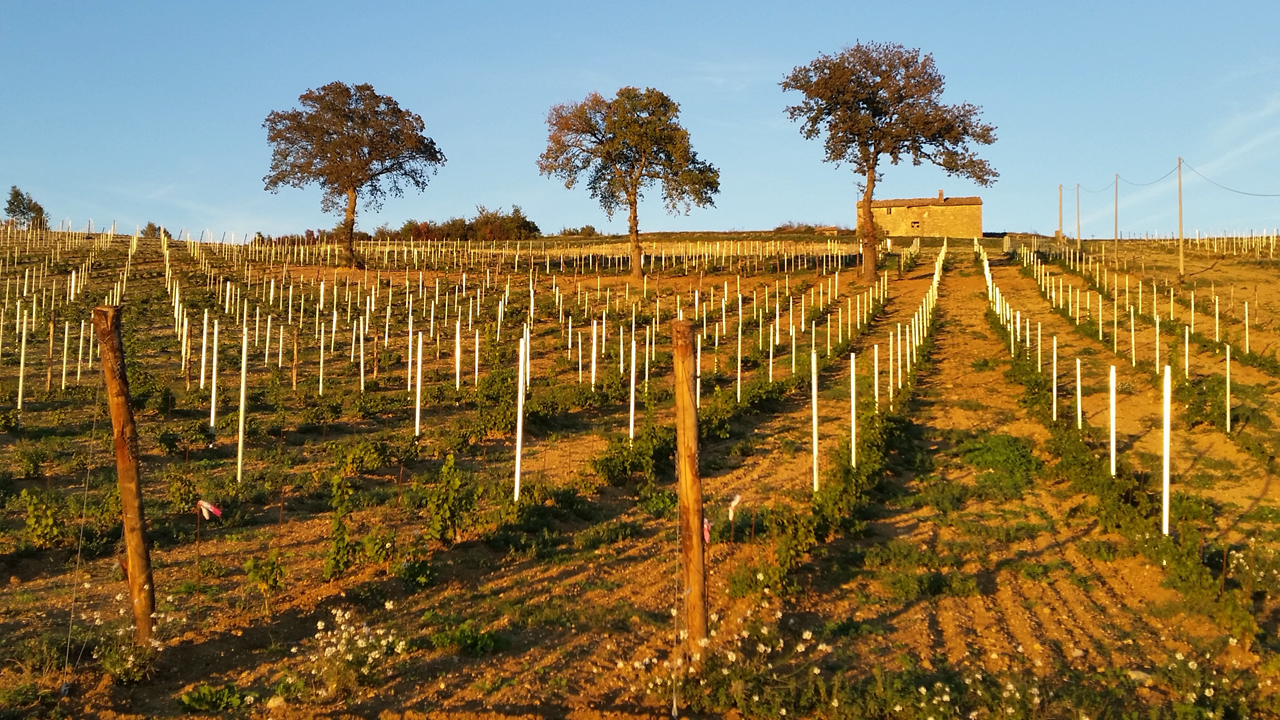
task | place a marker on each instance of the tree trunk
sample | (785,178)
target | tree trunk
(867,230)
(106,321)
(349,231)
(633,226)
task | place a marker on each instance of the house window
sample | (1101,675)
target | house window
(915,224)
(888,211)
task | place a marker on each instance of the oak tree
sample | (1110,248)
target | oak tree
(623,146)
(878,101)
(353,142)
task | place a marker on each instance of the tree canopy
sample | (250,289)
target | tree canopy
(155,232)
(24,210)
(623,146)
(353,142)
(881,100)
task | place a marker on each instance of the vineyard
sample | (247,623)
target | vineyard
(444,484)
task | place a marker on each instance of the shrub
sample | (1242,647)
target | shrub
(46,523)
(358,458)
(1005,464)
(210,699)
(658,501)
(123,662)
(415,572)
(449,504)
(605,534)
(30,458)
(341,550)
(267,574)
(651,456)
(379,545)
(754,578)
(943,495)
(496,401)
(193,435)
(468,639)
(180,489)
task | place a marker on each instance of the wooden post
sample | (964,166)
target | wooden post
(106,321)
(690,487)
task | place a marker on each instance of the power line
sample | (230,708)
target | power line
(1108,187)
(1153,182)
(1224,187)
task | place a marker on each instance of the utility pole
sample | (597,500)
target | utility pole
(1181,268)
(1116,237)
(1059,211)
(1079,241)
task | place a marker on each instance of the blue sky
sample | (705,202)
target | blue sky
(136,112)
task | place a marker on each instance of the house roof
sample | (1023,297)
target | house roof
(926,202)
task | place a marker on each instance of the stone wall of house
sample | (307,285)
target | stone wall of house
(960,221)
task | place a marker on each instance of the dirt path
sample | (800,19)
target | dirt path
(1089,613)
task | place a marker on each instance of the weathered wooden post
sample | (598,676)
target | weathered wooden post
(106,321)
(690,487)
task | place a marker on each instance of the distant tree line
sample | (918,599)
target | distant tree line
(584,231)
(487,226)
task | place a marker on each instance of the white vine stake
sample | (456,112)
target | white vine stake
(813,373)
(1228,394)
(213,381)
(631,426)
(1055,378)
(1113,421)
(244,375)
(523,353)
(853,409)
(1168,394)
(417,391)
(1079,405)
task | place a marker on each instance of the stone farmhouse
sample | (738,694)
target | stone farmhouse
(957,217)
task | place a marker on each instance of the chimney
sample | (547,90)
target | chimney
(939,194)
